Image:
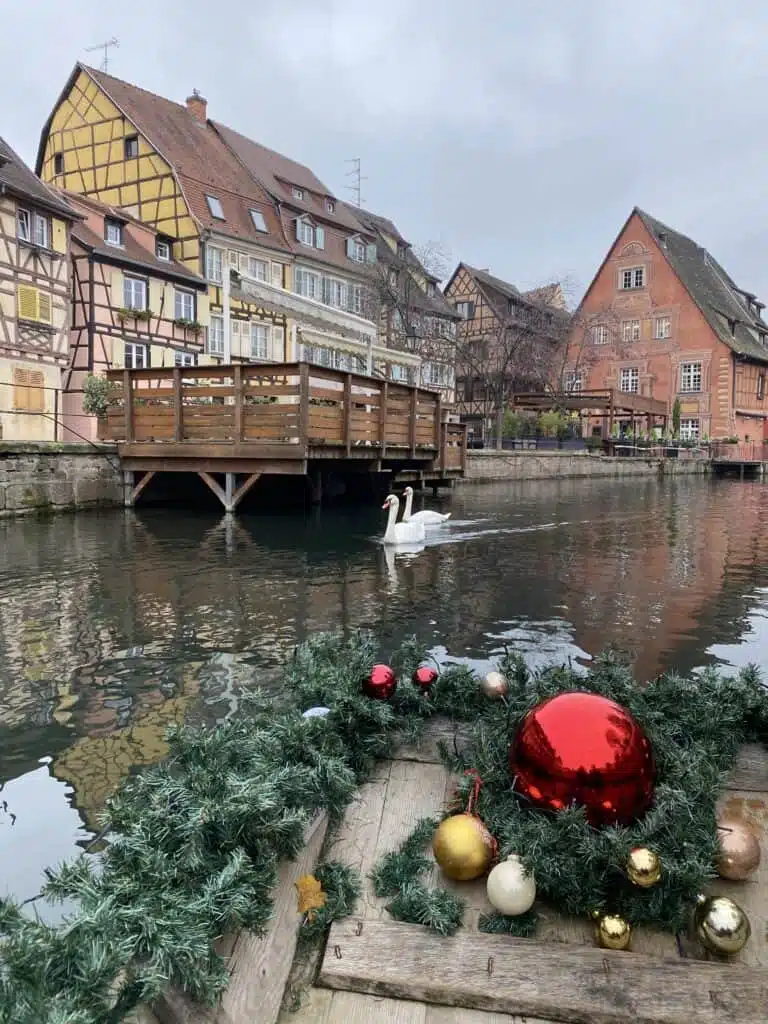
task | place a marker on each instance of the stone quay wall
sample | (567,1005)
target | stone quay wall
(42,477)
(486,466)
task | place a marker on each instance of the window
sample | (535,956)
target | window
(437,374)
(690,376)
(760,386)
(400,373)
(32,227)
(214,205)
(163,250)
(28,390)
(356,250)
(134,293)
(130,147)
(258,341)
(465,309)
(135,356)
(600,334)
(574,382)
(630,330)
(662,328)
(305,233)
(632,277)
(630,379)
(297,193)
(258,220)
(278,344)
(689,430)
(307,284)
(33,304)
(182,358)
(356,298)
(335,293)
(277,275)
(113,232)
(216,336)
(431,290)
(58,163)
(213,264)
(184,305)
(258,269)
(330,206)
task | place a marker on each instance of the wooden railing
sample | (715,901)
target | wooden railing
(291,405)
(743,451)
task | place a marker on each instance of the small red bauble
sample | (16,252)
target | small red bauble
(424,677)
(381,683)
(580,748)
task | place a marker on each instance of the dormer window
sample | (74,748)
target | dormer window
(215,208)
(358,251)
(258,220)
(310,234)
(32,227)
(297,193)
(330,206)
(113,232)
(431,290)
(163,249)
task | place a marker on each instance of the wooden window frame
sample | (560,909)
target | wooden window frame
(689,368)
(135,346)
(632,284)
(34,220)
(211,336)
(633,374)
(128,145)
(110,224)
(760,386)
(184,358)
(256,328)
(658,334)
(160,242)
(183,294)
(140,280)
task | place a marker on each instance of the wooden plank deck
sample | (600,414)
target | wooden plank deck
(392,972)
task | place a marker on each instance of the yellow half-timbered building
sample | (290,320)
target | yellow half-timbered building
(34,301)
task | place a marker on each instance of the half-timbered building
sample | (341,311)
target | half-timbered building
(506,342)
(277,252)
(133,304)
(34,301)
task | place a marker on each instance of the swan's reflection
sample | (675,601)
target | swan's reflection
(406,552)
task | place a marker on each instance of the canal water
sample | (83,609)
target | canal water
(115,625)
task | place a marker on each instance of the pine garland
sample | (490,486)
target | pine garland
(695,727)
(194,843)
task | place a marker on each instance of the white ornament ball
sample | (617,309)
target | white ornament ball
(316,713)
(494,685)
(511,889)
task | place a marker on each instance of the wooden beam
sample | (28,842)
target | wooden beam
(141,485)
(412,422)
(383,400)
(304,405)
(178,415)
(438,420)
(238,382)
(560,981)
(243,489)
(347,413)
(128,405)
(208,479)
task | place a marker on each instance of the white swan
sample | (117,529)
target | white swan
(400,533)
(428,517)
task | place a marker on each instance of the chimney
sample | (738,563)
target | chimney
(197,105)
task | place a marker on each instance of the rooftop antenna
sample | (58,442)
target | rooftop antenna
(105,47)
(357,181)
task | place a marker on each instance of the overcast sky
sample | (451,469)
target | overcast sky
(518,133)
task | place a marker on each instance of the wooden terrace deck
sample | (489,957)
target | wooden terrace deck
(285,418)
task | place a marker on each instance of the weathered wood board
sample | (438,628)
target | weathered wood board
(324,1006)
(572,984)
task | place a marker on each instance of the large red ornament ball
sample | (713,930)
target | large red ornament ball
(380,683)
(424,677)
(580,748)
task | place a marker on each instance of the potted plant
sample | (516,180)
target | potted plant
(99,394)
(124,314)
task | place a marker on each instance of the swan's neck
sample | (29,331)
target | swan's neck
(390,531)
(408,506)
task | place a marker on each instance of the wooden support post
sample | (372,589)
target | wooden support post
(128,488)
(141,485)
(438,420)
(443,447)
(214,486)
(178,423)
(412,422)
(243,489)
(304,406)
(229,490)
(238,383)
(383,399)
(128,405)
(347,413)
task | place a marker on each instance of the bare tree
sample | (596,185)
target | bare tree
(510,352)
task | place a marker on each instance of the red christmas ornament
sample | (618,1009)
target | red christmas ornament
(579,748)
(381,683)
(424,677)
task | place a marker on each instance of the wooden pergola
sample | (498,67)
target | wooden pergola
(607,403)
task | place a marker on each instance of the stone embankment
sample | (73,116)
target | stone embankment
(487,466)
(40,477)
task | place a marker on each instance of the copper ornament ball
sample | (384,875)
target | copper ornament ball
(580,748)
(739,850)
(380,683)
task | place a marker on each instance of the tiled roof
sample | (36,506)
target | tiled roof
(132,252)
(23,182)
(277,173)
(201,160)
(713,291)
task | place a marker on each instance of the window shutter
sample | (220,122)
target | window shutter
(44,307)
(298,229)
(28,394)
(350,248)
(28,306)
(278,345)
(320,237)
(370,253)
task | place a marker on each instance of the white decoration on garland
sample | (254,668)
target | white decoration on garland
(511,889)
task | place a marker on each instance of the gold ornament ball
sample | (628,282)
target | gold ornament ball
(495,685)
(463,847)
(643,867)
(721,925)
(739,853)
(612,931)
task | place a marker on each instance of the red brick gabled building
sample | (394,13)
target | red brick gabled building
(663,319)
